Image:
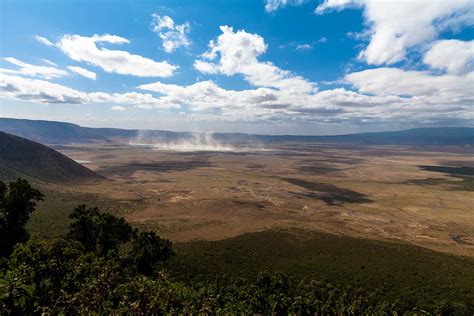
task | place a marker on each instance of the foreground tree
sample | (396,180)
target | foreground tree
(17,202)
(98,232)
(148,251)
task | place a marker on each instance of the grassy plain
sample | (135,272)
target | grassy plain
(371,192)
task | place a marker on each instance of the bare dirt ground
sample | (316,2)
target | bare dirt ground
(376,192)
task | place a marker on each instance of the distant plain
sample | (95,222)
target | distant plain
(389,193)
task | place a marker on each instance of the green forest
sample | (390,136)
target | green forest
(103,265)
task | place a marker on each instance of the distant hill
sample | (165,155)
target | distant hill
(20,157)
(416,136)
(50,132)
(57,133)
(60,133)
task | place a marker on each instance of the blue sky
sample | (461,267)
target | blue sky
(275,66)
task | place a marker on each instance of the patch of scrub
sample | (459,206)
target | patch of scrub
(317,168)
(464,174)
(452,171)
(160,167)
(329,193)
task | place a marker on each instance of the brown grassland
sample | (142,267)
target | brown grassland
(371,192)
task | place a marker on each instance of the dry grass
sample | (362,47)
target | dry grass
(212,196)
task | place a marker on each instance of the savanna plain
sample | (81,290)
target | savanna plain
(420,196)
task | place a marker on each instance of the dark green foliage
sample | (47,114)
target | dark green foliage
(392,272)
(58,276)
(15,296)
(98,232)
(49,266)
(17,202)
(98,286)
(148,250)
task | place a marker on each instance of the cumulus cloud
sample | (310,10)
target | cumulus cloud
(336,4)
(41,91)
(238,52)
(376,95)
(83,72)
(208,101)
(173,35)
(273,5)
(30,70)
(454,56)
(44,40)
(419,85)
(396,26)
(85,49)
(206,95)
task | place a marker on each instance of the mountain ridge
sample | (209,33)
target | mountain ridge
(54,132)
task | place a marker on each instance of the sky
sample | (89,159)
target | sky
(252,66)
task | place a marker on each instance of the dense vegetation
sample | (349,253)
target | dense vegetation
(103,266)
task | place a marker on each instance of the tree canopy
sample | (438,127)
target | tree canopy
(17,202)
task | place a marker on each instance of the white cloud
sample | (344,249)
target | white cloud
(454,56)
(377,99)
(384,95)
(238,52)
(396,26)
(206,100)
(335,4)
(32,70)
(273,5)
(304,47)
(49,62)
(418,84)
(81,48)
(205,67)
(172,34)
(44,40)
(83,72)
(375,95)
(205,95)
(140,100)
(41,91)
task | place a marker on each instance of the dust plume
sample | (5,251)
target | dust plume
(193,142)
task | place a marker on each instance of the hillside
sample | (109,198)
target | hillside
(20,157)
(50,132)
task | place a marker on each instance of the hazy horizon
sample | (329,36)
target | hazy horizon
(224,132)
